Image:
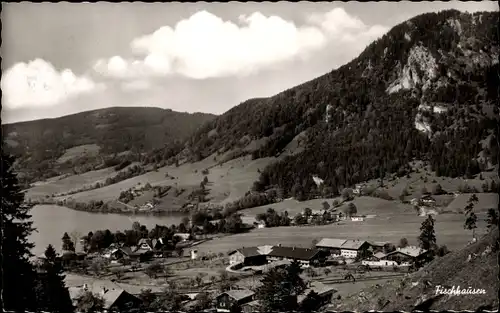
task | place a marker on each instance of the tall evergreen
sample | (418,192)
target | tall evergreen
(67,243)
(427,238)
(52,292)
(17,273)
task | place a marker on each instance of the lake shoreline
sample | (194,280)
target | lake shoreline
(51,221)
(112,210)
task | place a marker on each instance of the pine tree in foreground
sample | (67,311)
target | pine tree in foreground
(427,238)
(51,284)
(17,273)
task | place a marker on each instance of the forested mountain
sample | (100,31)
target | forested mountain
(427,89)
(39,144)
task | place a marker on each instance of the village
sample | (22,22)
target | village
(158,262)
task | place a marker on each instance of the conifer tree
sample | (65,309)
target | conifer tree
(427,238)
(17,273)
(67,245)
(51,284)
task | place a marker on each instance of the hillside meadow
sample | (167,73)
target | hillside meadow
(227,182)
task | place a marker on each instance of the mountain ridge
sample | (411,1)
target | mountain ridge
(418,92)
(40,144)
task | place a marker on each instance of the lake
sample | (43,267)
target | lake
(51,221)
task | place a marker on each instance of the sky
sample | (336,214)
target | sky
(64,58)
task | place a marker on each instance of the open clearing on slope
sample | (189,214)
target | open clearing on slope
(64,184)
(389,227)
(79,152)
(427,178)
(228,182)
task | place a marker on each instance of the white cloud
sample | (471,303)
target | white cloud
(135,85)
(204,45)
(38,83)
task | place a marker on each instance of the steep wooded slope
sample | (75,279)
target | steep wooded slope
(427,89)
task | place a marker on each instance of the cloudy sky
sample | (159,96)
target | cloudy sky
(62,58)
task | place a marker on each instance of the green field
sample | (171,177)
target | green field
(79,152)
(364,205)
(227,182)
(384,227)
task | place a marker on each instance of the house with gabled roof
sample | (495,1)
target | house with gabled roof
(305,256)
(150,244)
(115,299)
(324,292)
(226,300)
(250,255)
(347,248)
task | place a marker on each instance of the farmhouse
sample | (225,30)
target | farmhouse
(406,256)
(249,256)
(376,260)
(357,218)
(400,257)
(340,247)
(304,255)
(226,300)
(331,245)
(253,256)
(352,248)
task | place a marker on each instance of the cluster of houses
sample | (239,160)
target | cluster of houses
(370,253)
(245,299)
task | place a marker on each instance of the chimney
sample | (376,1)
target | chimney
(104,290)
(85,287)
(279,244)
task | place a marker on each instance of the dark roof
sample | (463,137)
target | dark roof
(238,294)
(247,252)
(294,253)
(428,197)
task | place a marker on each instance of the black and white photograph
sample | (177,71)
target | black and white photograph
(250,157)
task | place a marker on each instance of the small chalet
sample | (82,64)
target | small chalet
(324,292)
(226,300)
(114,254)
(150,244)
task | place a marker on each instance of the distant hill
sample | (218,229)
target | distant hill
(454,269)
(48,147)
(426,90)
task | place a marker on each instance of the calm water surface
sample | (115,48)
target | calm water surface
(52,221)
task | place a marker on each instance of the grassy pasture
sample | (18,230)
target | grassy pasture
(389,227)
(227,182)
(78,152)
